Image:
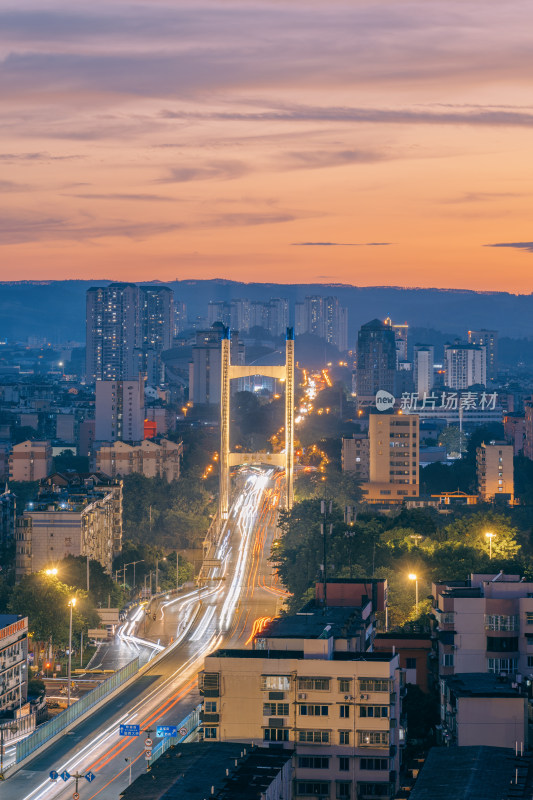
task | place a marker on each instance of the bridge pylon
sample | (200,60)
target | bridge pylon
(227,459)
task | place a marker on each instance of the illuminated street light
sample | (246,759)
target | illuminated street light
(413,577)
(490,536)
(53,571)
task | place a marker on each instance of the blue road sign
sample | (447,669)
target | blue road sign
(162,731)
(54,775)
(65,775)
(130,730)
(90,776)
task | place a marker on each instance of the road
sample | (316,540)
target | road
(240,594)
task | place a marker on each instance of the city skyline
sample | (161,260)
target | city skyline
(362,143)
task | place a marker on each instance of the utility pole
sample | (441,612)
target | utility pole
(87,574)
(325,508)
(177,570)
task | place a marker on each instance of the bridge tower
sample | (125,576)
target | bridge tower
(227,459)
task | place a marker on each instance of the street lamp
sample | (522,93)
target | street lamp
(53,571)
(413,577)
(490,536)
(71,603)
(134,563)
(157,572)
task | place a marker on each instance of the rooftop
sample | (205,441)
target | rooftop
(470,773)
(191,771)
(480,684)
(8,619)
(315,622)
(341,655)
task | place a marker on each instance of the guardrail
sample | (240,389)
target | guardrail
(191,723)
(49,729)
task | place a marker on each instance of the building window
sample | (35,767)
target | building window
(374,685)
(344,711)
(344,737)
(529,617)
(376,738)
(501,645)
(275,709)
(345,684)
(314,737)
(344,789)
(210,707)
(448,660)
(374,711)
(344,764)
(313,684)
(497,665)
(410,663)
(501,622)
(210,733)
(313,762)
(312,788)
(313,710)
(280,683)
(530,661)
(373,789)
(276,734)
(374,763)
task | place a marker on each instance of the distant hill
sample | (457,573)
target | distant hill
(56,309)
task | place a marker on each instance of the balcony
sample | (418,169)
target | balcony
(209,719)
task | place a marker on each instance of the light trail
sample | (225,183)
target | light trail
(204,617)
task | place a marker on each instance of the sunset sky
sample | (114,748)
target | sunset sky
(367,142)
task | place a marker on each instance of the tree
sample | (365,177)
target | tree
(72,571)
(454,440)
(471,532)
(44,600)
(67,460)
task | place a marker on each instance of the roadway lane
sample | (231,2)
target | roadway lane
(221,613)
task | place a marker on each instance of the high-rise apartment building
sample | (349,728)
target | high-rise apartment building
(113,332)
(180,317)
(376,359)
(335,323)
(219,311)
(488,340)
(278,316)
(205,367)
(424,357)
(465,365)
(484,624)
(240,315)
(128,327)
(394,457)
(400,335)
(494,462)
(323,317)
(119,411)
(156,315)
